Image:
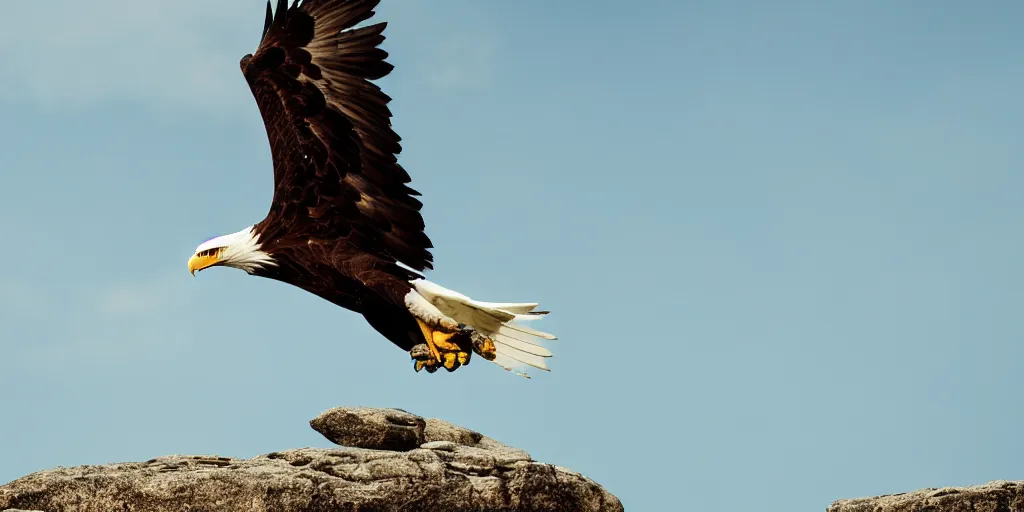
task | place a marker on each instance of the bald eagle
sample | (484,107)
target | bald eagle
(343,223)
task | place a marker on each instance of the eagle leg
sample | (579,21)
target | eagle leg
(442,349)
(428,334)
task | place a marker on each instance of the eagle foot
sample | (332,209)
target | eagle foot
(449,350)
(420,352)
(423,359)
(482,344)
(430,366)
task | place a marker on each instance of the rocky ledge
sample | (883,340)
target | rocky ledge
(999,496)
(391,460)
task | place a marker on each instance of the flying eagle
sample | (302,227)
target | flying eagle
(343,223)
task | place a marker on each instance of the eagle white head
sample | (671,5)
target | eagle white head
(239,250)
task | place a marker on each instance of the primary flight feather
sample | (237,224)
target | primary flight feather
(343,223)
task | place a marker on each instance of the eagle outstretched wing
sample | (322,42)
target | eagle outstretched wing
(336,174)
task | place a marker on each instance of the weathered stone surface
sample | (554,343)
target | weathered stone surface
(440,430)
(432,465)
(998,496)
(377,429)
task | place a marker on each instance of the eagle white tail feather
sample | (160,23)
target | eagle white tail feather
(511,307)
(517,346)
(528,331)
(521,346)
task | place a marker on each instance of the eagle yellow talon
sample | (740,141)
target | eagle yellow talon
(441,349)
(451,361)
(442,340)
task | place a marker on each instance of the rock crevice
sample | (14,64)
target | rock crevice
(389,460)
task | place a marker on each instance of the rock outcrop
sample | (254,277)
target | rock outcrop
(999,496)
(391,461)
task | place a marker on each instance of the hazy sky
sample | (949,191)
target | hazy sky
(781,240)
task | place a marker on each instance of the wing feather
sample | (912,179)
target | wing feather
(336,168)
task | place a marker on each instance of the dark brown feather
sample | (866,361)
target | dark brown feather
(342,213)
(330,132)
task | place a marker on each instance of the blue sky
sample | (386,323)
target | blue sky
(781,241)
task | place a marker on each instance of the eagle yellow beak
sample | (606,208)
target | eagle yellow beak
(200,261)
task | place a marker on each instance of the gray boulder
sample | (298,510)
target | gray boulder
(1001,496)
(391,460)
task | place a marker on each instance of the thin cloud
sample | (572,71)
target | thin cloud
(138,299)
(67,53)
(64,53)
(119,323)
